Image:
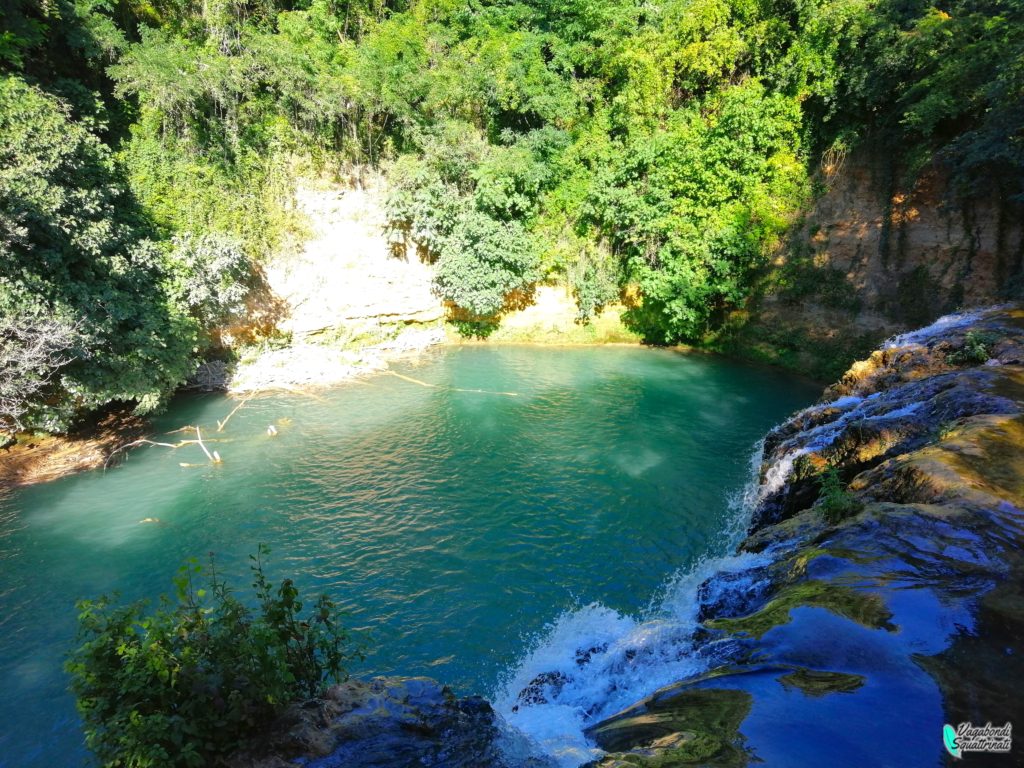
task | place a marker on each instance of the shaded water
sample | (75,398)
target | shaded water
(455,525)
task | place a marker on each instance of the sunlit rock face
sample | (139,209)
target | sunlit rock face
(889,605)
(878,253)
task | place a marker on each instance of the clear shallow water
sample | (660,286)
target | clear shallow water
(467,531)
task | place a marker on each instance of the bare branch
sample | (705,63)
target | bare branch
(33,347)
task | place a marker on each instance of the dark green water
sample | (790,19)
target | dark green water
(456,526)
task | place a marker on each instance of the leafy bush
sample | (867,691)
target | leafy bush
(975,349)
(696,207)
(212,276)
(594,278)
(34,346)
(836,501)
(482,261)
(189,683)
(466,205)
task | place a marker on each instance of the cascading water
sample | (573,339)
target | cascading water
(863,618)
(818,426)
(593,661)
(943,325)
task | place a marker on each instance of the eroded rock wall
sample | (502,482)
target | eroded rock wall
(875,256)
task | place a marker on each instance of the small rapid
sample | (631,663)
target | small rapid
(951,322)
(592,662)
(877,590)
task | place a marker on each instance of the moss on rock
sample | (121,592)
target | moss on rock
(864,608)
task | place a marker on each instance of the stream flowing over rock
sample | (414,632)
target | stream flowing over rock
(876,596)
(876,613)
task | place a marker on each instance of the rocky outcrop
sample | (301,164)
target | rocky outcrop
(307,366)
(887,599)
(396,722)
(344,302)
(876,255)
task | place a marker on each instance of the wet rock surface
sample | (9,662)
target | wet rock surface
(873,625)
(384,723)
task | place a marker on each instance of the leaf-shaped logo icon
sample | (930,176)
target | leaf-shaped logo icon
(949,739)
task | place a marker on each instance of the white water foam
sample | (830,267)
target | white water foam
(592,662)
(942,325)
(814,439)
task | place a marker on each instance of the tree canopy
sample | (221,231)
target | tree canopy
(614,145)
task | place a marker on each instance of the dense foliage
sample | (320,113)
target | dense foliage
(72,246)
(624,148)
(191,682)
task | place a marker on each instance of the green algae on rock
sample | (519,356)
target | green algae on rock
(695,725)
(813,682)
(850,603)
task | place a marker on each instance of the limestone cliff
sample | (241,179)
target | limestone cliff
(874,256)
(345,301)
(346,278)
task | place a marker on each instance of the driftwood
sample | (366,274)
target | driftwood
(136,443)
(214,457)
(222,424)
(411,380)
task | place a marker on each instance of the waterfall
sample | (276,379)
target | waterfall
(943,325)
(593,661)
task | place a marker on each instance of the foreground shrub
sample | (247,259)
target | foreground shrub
(189,683)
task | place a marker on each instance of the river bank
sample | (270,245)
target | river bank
(39,458)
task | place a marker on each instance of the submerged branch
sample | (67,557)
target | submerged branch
(136,443)
(451,389)
(213,457)
(222,424)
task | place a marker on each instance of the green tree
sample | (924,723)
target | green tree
(71,242)
(482,261)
